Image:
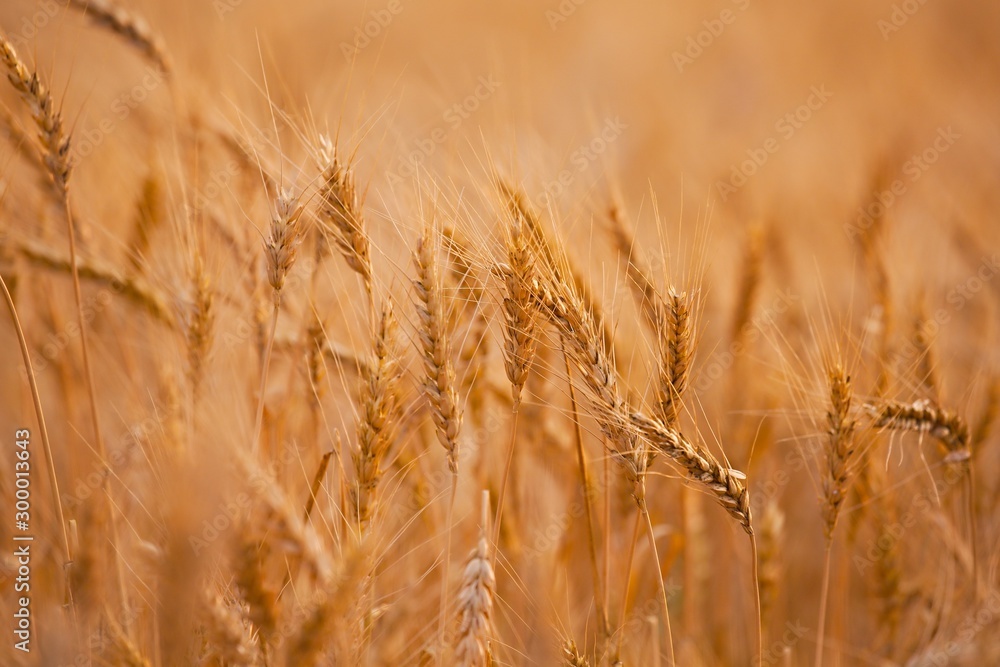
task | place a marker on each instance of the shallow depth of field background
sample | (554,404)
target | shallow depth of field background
(778,126)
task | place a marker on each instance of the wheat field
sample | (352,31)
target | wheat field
(538,332)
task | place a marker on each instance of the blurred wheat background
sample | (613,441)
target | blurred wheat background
(538,332)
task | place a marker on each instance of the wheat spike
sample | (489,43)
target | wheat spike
(379,416)
(519,309)
(674,336)
(54,140)
(475,601)
(840,451)
(340,212)
(439,384)
(923,417)
(283,240)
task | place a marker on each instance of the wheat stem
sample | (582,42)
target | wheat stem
(824,593)
(581,457)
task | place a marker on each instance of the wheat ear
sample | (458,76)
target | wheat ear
(340,212)
(674,336)
(839,459)
(200,322)
(475,600)
(380,412)
(435,346)
(520,316)
(280,248)
(439,380)
(923,417)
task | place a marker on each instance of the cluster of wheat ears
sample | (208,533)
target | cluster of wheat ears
(283,501)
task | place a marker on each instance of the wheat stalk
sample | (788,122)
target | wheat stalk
(56,155)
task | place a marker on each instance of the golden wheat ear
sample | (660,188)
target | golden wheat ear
(435,345)
(379,416)
(475,600)
(341,214)
(51,134)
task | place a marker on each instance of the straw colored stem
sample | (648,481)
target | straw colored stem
(581,456)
